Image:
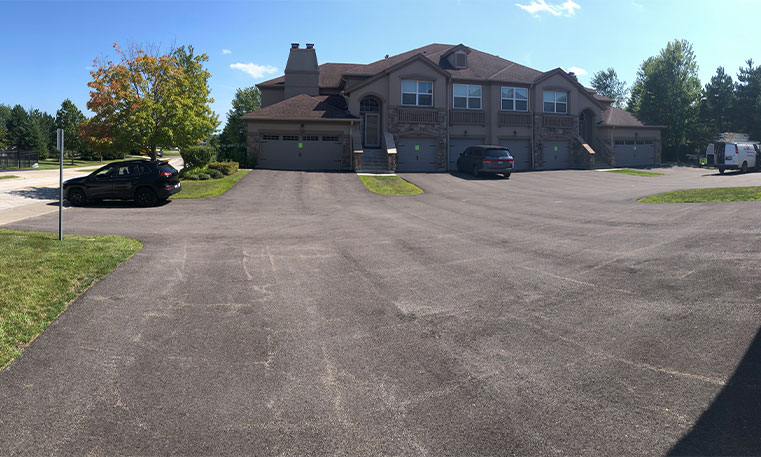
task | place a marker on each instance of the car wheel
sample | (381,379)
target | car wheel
(145,197)
(475,171)
(507,175)
(744,168)
(77,197)
(721,170)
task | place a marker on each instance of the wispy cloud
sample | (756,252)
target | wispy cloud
(637,5)
(256,71)
(578,71)
(567,8)
(226,51)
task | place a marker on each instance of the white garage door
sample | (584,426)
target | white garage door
(300,152)
(555,155)
(416,154)
(630,153)
(458,145)
(520,151)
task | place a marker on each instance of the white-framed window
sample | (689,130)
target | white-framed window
(555,102)
(466,96)
(514,99)
(417,93)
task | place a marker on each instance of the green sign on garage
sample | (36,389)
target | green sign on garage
(555,156)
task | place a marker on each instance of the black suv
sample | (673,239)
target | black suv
(145,181)
(486,159)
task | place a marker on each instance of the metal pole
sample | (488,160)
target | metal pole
(59,135)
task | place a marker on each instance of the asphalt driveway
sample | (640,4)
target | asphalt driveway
(298,314)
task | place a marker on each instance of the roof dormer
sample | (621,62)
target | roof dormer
(457,56)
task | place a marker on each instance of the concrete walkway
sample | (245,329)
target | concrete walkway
(35,192)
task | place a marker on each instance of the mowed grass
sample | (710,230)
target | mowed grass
(714,194)
(40,276)
(390,185)
(8,176)
(210,187)
(626,171)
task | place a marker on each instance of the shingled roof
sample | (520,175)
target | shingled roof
(481,67)
(304,106)
(615,117)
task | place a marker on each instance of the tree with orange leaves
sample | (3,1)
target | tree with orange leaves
(149,100)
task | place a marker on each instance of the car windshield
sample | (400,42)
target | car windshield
(497,153)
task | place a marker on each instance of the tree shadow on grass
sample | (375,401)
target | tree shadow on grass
(732,423)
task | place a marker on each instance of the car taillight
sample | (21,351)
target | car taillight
(511,159)
(165,174)
(168,187)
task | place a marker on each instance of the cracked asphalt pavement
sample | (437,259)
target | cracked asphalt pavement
(299,314)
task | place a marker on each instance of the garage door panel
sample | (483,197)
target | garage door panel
(520,151)
(305,152)
(416,154)
(458,145)
(555,155)
(634,153)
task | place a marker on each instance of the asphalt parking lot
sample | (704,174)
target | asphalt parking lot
(298,314)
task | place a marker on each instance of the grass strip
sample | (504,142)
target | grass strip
(8,176)
(626,171)
(713,194)
(390,185)
(210,187)
(40,276)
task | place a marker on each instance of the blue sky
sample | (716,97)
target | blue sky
(46,48)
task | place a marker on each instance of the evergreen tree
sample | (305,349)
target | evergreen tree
(232,140)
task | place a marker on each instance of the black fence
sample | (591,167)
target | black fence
(18,159)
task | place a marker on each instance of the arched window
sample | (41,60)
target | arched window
(369,105)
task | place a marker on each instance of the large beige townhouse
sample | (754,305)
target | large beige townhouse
(417,111)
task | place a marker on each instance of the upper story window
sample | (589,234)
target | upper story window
(555,102)
(514,99)
(466,96)
(417,93)
(461,60)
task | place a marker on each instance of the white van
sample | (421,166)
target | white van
(734,156)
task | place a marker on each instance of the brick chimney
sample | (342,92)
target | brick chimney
(302,74)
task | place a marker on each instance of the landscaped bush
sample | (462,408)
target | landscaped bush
(198,156)
(215,174)
(203,176)
(227,168)
(190,174)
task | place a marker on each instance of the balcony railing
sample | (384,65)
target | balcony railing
(512,118)
(467,117)
(557,121)
(418,116)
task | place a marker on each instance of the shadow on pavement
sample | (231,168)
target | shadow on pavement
(37,193)
(732,423)
(111,204)
(483,177)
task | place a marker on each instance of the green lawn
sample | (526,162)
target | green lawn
(390,185)
(210,187)
(626,171)
(8,176)
(714,194)
(40,276)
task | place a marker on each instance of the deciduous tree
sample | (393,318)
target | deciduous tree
(233,137)
(667,91)
(149,100)
(606,83)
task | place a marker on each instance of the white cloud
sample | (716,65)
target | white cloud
(226,51)
(256,71)
(578,71)
(567,8)
(637,5)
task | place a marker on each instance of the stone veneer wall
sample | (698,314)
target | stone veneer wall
(542,133)
(437,130)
